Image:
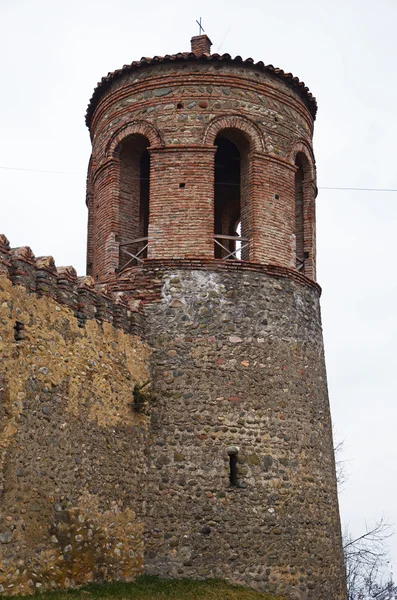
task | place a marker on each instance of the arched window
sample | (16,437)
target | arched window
(304,215)
(133,199)
(231,196)
(299,220)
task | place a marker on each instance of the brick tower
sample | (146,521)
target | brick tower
(201,197)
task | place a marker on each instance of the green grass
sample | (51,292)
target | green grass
(153,588)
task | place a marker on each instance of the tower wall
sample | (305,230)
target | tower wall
(238,361)
(180,107)
(237,364)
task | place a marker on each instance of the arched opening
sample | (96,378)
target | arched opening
(134,188)
(300,176)
(231,232)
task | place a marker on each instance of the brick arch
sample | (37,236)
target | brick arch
(302,147)
(235,122)
(301,156)
(144,128)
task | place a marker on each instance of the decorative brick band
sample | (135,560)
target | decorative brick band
(143,283)
(288,78)
(274,159)
(175,80)
(184,148)
(81,294)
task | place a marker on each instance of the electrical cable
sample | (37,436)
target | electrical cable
(320,187)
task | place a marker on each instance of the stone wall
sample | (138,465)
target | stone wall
(72,463)
(238,362)
(91,489)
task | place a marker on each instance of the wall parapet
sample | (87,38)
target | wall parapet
(39,275)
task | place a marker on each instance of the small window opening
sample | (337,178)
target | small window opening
(232,452)
(233,470)
(276,197)
(19,333)
(182,185)
(299,216)
(179,105)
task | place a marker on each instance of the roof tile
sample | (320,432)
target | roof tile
(106,82)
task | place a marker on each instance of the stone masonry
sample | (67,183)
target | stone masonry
(72,449)
(169,412)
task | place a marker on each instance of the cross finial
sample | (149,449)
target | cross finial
(201,29)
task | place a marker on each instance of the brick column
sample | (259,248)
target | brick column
(181,212)
(90,222)
(105,256)
(309,227)
(272,210)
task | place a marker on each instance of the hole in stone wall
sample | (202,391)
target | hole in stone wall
(179,105)
(232,452)
(233,469)
(182,185)
(276,197)
(19,333)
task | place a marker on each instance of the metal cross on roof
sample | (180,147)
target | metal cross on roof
(201,29)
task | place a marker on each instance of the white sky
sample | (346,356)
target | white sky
(54,52)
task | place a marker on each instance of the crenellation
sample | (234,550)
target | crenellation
(88,300)
(66,428)
(23,268)
(67,287)
(46,276)
(5,260)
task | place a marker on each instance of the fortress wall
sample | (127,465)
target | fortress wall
(238,361)
(72,461)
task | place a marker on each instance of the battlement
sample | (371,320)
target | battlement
(40,275)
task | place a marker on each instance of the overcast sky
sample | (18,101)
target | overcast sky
(52,55)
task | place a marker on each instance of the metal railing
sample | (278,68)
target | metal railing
(239,243)
(135,249)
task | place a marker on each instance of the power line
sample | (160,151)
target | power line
(352,189)
(320,187)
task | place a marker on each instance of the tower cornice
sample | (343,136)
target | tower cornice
(249,63)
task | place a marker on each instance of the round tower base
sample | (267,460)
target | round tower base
(241,475)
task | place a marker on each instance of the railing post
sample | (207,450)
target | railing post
(233,253)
